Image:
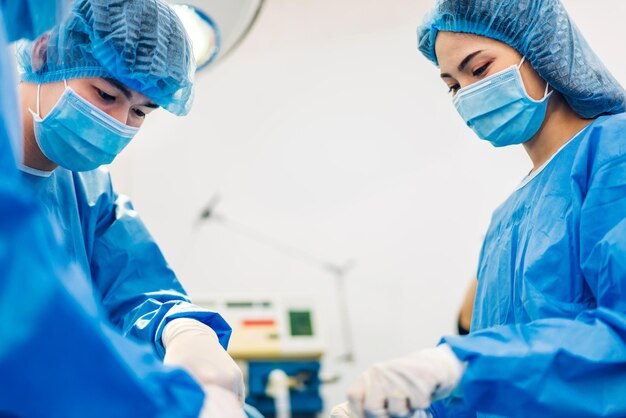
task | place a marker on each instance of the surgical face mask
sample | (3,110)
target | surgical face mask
(499,109)
(77,135)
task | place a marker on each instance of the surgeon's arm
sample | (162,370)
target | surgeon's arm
(58,356)
(138,288)
(563,367)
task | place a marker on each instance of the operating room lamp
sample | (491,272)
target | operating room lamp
(216,27)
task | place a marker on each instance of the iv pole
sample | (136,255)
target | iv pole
(338,271)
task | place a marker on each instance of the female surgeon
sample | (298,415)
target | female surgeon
(548,334)
(87,86)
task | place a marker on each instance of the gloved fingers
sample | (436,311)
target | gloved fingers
(220,403)
(342,411)
(417,385)
(195,347)
(240,392)
(225,375)
(399,406)
(230,378)
(421,395)
(356,397)
(372,388)
(406,391)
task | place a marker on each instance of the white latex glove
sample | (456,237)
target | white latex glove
(343,411)
(220,403)
(402,387)
(195,347)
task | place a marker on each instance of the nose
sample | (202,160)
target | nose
(465,81)
(119,113)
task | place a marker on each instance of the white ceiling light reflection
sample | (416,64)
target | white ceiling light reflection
(203,32)
(217,27)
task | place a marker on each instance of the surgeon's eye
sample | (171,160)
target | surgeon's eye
(105,96)
(480,71)
(139,113)
(454,88)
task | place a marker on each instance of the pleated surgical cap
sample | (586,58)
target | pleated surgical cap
(540,30)
(140,43)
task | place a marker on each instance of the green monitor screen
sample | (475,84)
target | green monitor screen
(300,323)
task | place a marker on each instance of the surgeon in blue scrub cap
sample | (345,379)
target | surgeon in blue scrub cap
(59,356)
(87,87)
(548,334)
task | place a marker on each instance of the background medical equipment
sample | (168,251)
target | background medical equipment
(276,340)
(278,345)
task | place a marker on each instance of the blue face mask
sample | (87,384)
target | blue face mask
(499,109)
(77,135)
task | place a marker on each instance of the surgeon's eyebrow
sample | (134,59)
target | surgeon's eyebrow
(127,93)
(125,90)
(463,63)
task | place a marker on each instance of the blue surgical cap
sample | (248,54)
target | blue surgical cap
(140,43)
(540,30)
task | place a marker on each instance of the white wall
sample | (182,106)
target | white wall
(327,130)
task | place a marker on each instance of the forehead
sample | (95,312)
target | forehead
(452,47)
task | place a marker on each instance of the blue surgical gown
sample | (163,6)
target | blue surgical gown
(105,236)
(10,117)
(549,327)
(58,355)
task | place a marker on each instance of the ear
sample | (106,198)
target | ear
(39,53)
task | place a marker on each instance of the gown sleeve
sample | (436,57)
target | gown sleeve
(563,367)
(139,290)
(58,355)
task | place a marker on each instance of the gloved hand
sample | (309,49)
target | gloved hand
(195,347)
(405,385)
(343,411)
(220,403)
